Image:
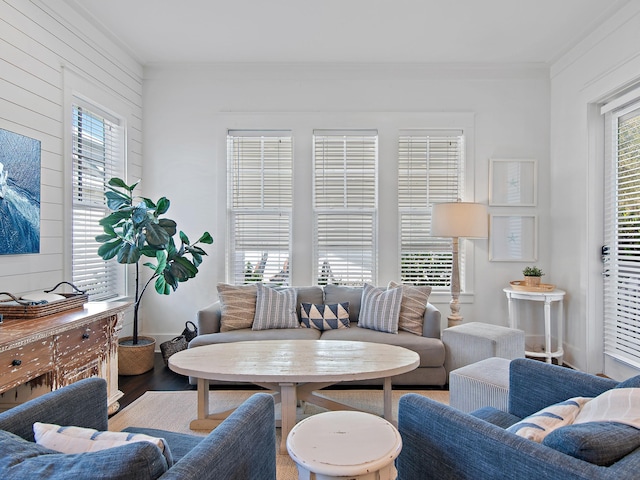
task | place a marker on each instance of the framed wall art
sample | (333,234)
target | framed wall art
(19,194)
(513,238)
(513,183)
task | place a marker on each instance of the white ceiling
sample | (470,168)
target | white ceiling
(420,31)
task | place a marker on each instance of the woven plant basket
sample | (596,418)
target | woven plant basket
(135,359)
(532,281)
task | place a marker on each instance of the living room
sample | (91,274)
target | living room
(522,80)
(513,108)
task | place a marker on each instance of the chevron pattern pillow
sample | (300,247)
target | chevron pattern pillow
(324,317)
(237,306)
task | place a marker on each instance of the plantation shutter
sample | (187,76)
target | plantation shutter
(345,203)
(430,167)
(622,235)
(97,146)
(260,190)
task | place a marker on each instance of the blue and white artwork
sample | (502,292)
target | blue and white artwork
(19,194)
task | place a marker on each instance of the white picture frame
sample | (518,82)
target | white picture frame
(513,238)
(513,182)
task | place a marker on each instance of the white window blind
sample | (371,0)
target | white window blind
(345,206)
(622,235)
(260,177)
(430,170)
(97,146)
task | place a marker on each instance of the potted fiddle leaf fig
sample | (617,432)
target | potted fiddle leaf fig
(132,231)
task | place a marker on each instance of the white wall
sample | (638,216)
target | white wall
(185,113)
(603,64)
(46,54)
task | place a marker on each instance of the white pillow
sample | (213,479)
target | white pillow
(621,405)
(42,296)
(537,426)
(80,439)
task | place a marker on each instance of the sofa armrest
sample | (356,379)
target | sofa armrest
(243,447)
(208,319)
(432,322)
(534,385)
(441,442)
(81,404)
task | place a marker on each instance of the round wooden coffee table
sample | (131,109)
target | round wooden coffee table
(294,369)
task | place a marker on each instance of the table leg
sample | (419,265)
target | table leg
(547,329)
(288,404)
(203,398)
(512,322)
(387,399)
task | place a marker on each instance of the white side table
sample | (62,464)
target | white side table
(546,297)
(344,444)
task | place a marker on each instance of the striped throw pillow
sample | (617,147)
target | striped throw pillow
(275,309)
(380,308)
(414,303)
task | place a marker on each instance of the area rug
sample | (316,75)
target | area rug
(174,411)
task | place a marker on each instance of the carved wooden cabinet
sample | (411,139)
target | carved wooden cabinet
(60,349)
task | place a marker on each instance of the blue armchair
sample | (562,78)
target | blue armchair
(242,447)
(445,443)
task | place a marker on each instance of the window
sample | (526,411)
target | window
(260,177)
(97,156)
(430,170)
(622,235)
(345,202)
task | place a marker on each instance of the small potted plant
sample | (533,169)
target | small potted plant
(132,231)
(532,276)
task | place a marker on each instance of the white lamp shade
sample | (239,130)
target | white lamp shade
(459,219)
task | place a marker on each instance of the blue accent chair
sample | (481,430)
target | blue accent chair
(243,447)
(444,443)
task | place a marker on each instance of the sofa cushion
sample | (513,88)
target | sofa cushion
(601,443)
(380,308)
(430,350)
(180,443)
(248,334)
(339,294)
(22,460)
(633,382)
(495,416)
(324,317)
(537,426)
(72,439)
(275,309)
(412,308)
(237,306)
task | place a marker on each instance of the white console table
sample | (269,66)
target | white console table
(546,297)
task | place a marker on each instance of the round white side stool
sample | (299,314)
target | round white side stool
(344,444)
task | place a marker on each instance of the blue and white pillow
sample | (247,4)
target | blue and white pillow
(324,317)
(275,308)
(380,308)
(537,426)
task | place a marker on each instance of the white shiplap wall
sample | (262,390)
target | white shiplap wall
(47,53)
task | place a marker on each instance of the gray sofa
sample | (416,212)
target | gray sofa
(221,454)
(431,371)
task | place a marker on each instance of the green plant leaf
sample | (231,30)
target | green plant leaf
(139,215)
(148,251)
(169,225)
(105,237)
(171,280)
(157,236)
(116,200)
(197,259)
(110,249)
(183,269)
(161,256)
(149,203)
(115,217)
(128,253)
(205,238)
(184,238)
(194,249)
(162,287)
(163,206)
(118,182)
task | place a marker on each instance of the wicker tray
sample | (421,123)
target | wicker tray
(543,287)
(9,309)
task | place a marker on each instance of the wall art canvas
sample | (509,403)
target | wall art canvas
(19,194)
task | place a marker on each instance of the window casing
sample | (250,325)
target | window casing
(622,235)
(260,196)
(430,170)
(97,156)
(345,206)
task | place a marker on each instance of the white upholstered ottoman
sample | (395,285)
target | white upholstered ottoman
(481,384)
(471,342)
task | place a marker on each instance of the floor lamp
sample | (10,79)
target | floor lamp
(455,220)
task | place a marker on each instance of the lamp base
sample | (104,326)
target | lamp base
(454,320)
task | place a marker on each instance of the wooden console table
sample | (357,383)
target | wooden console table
(60,349)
